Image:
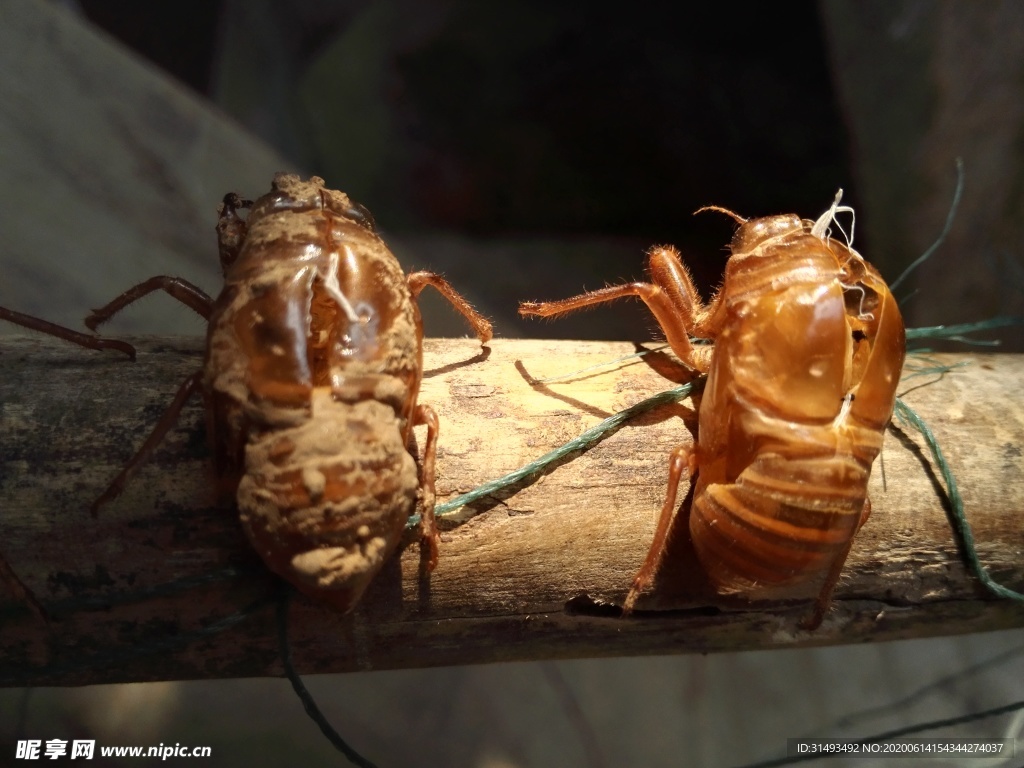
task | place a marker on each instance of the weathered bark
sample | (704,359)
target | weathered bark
(536,571)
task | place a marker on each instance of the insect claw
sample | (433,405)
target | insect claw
(105,498)
(629,604)
(812,622)
(430,549)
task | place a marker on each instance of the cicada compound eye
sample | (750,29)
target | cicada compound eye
(359,214)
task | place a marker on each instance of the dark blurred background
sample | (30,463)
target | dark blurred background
(524,117)
(530,149)
(572,133)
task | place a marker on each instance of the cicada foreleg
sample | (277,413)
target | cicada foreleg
(682,459)
(671,297)
(188,294)
(417,281)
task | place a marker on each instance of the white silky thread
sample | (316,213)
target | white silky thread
(822,227)
(333,287)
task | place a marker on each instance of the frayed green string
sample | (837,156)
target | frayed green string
(907,415)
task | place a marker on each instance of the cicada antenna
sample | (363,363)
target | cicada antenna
(731,214)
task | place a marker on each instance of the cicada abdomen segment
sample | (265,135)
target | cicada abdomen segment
(324,502)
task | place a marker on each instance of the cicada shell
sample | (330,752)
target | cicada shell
(313,366)
(312,371)
(808,348)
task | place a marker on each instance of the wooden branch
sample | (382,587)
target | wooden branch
(144,591)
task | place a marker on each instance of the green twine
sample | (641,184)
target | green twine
(592,436)
(938,369)
(960,524)
(957,192)
(308,703)
(956,332)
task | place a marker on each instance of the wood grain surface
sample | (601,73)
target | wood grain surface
(162,585)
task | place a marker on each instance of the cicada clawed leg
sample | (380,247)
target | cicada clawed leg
(417,281)
(430,537)
(188,294)
(671,297)
(167,421)
(81,339)
(682,459)
(821,605)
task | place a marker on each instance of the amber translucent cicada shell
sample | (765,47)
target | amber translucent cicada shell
(808,345)
(313,366)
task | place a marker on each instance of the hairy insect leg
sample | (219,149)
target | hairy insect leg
(430,537)
(188,294)
(671,297)
(81,339)
(417,281)
(821,605)
(683,458)
(185,391)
